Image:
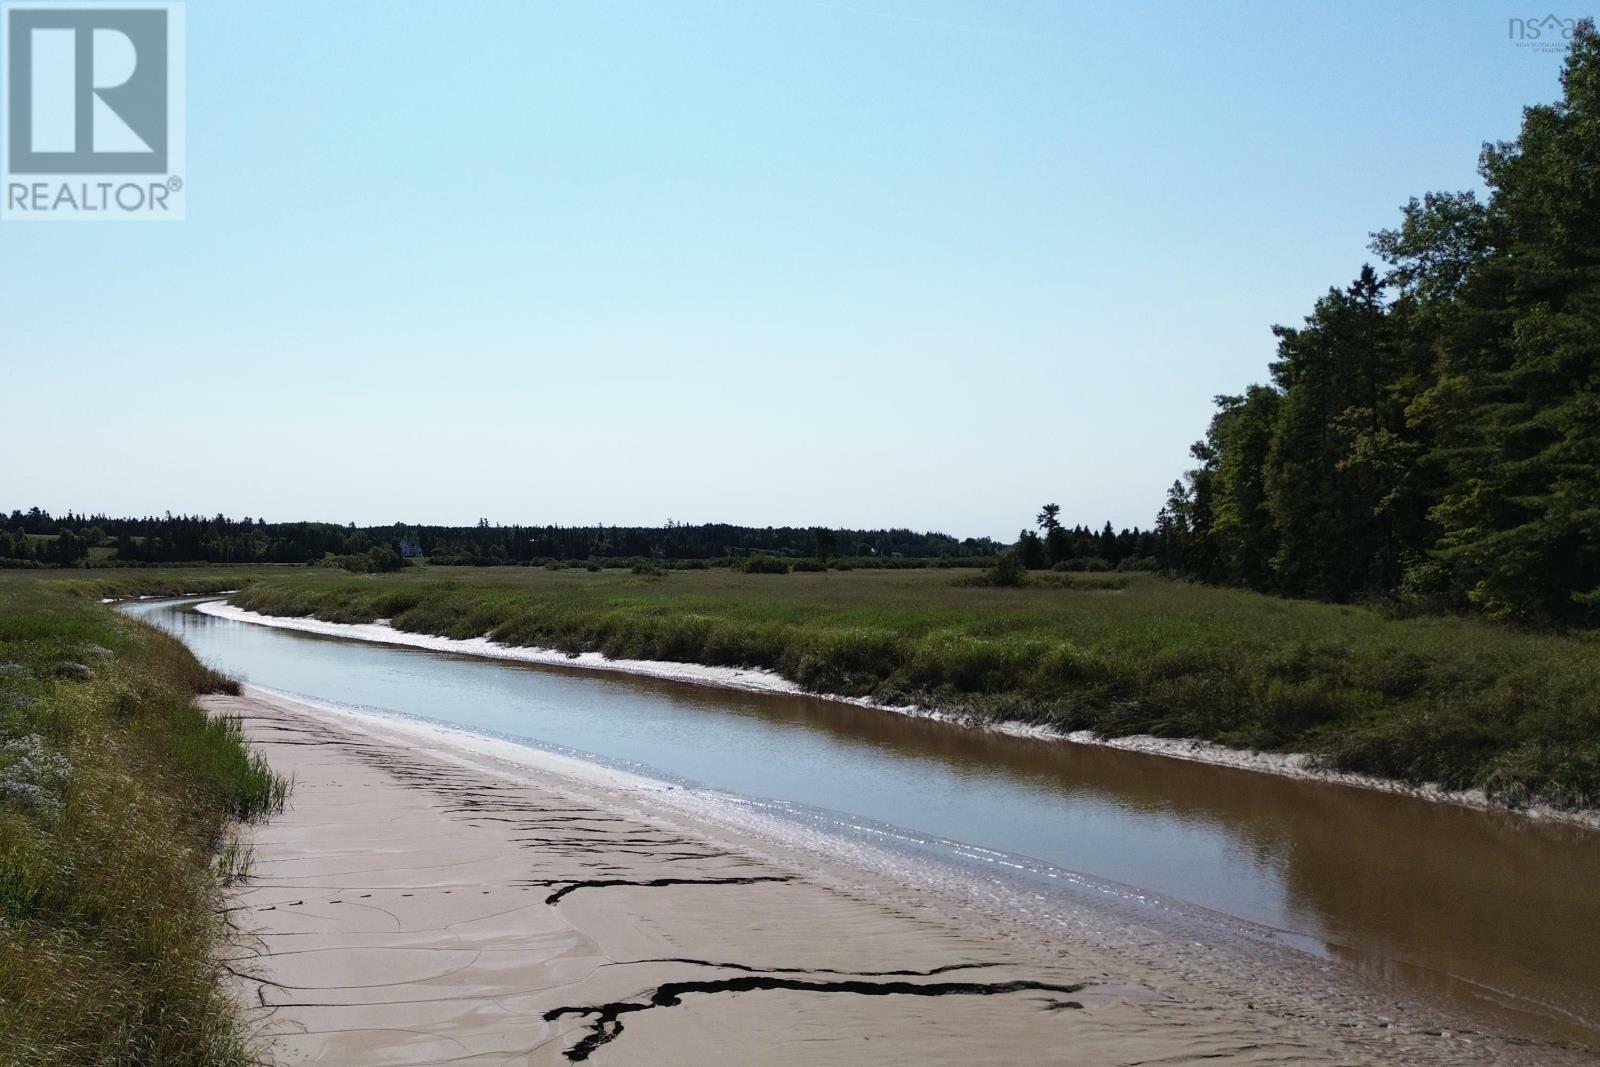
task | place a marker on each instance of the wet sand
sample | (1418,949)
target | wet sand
(429,900)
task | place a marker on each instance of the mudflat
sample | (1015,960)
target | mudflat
(425,900)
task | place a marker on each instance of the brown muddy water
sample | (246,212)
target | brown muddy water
(1495,915)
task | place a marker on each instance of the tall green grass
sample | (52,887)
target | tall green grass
(1458,702)
(159,581)
(116,792)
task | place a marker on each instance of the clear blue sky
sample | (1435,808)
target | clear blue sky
(858,263)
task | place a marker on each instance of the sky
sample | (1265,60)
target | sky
(861,263)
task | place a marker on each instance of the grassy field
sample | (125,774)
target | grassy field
(1462,703)
(116,799)
(157,581)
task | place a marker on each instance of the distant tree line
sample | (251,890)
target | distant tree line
(1053,545)
(1432,431)
(35,537)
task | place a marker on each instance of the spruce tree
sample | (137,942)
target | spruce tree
(1517,401)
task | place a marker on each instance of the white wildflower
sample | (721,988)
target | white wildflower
(33,776)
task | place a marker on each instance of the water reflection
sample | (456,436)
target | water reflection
(1487,910)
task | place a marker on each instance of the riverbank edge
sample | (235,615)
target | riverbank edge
(1178,968)
(113,923)
(1289,765)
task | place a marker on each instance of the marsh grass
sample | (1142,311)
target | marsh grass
(1458,702)
(158,581)
(234,860)
(110,920)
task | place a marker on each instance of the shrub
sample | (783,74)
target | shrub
(379,559)
(1083,564)
(764,565)
(809,565)
(1008,571)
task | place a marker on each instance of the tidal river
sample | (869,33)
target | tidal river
(1495,914)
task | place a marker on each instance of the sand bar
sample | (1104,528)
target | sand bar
(431,899)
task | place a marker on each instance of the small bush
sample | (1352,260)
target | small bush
(764,565)
(1082,565)
(1008,572)
(380,559)
(811,566)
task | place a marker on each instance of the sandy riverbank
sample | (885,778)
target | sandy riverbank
(1291,765)
(431,896)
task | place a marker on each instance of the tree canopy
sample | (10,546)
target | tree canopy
(1433,431)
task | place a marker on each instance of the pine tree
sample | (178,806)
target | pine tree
(1517,400)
